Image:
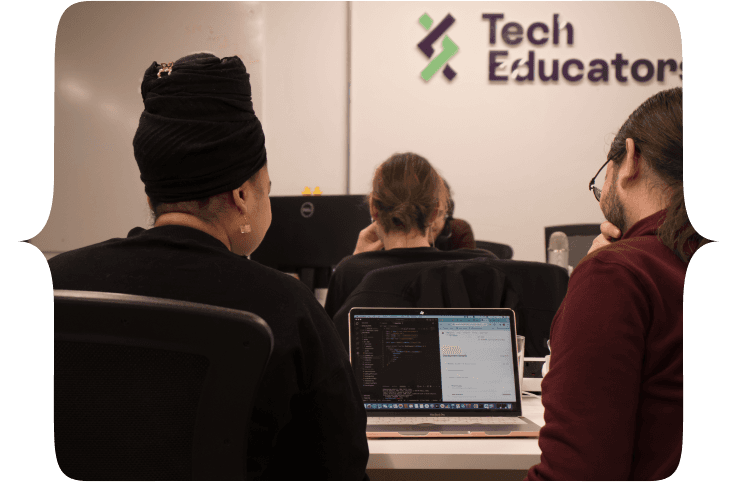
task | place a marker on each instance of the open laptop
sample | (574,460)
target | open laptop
(438,372)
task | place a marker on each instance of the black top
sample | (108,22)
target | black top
(308,420)
(351,270)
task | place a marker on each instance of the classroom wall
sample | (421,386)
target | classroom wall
(518,155)
(306,95)
(102,50)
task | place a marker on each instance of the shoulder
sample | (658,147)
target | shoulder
(275,282)
(638,255)
(605,265)
(364,261)
(291,308)
(80,256)
(467,253)
(627,276)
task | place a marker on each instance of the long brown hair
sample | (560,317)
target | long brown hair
(656,127)
(406,192)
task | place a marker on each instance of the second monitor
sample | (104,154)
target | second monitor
(311,234)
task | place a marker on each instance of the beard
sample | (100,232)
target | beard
(613,209)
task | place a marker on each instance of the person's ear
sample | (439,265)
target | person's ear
(374,214)
(433,216)
(631,168)
(372,209)
(240,197)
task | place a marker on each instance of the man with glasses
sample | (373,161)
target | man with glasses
(613,394)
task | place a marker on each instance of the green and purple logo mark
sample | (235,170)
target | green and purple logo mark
(449,47)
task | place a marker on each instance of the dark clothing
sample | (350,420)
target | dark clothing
(461,236)
(613,397)
(474,283)
(351,270)
(198,134)
(533,290)
(308,420)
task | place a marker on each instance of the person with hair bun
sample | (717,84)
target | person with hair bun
(407,198)
(201,153)
(613,395)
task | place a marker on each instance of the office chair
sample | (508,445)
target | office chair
(580,237)
(153,389)
(533,290)
(472,283)
(503,251)
(540,289)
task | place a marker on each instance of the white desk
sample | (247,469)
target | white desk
(460,454)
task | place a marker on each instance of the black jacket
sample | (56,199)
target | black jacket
(308,421)
(533,290)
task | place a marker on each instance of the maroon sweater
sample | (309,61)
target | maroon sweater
(613,397)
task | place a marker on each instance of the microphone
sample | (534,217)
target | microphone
(558,250)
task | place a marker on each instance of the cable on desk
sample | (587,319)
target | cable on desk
(530,394)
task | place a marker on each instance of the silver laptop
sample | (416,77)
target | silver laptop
(438,372)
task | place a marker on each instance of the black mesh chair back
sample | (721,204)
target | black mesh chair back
(540,288)
(471,283)
(502,251)
(153,389)
(533,290)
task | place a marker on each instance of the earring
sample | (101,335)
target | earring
(245,227)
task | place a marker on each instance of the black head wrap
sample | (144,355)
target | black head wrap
(198,134)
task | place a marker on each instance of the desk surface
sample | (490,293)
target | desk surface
(466,454)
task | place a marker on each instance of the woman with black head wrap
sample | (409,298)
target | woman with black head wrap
(200,151)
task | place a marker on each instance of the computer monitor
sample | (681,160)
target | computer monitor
(312,233)
(580,237)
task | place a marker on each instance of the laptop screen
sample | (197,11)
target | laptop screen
(448,360)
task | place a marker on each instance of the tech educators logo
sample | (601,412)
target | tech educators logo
(536,67)
(449,47)
(572,70)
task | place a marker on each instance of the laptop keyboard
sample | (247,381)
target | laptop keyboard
(445,420)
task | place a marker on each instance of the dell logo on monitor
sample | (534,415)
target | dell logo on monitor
(307,210)
(422,312)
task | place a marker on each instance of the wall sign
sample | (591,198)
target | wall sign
(528,69)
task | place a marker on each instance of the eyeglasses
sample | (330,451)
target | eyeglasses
(597,191)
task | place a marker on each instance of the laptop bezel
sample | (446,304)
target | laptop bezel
(516,410)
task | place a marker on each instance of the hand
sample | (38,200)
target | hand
(609,234)
(368,240)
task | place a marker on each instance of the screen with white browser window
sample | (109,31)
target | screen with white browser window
(434,361)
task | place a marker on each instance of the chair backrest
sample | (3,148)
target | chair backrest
(540,288)
(153,389)
(580,237)
(533,290)
(503,251)
(471,283)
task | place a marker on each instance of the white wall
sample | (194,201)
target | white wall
(102,50)
(298,49)
(306,95)
(518,156)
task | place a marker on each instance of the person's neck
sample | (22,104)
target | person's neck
(191,221)
(413,239)
(644,204)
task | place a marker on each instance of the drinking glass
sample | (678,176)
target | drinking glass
(520,358)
